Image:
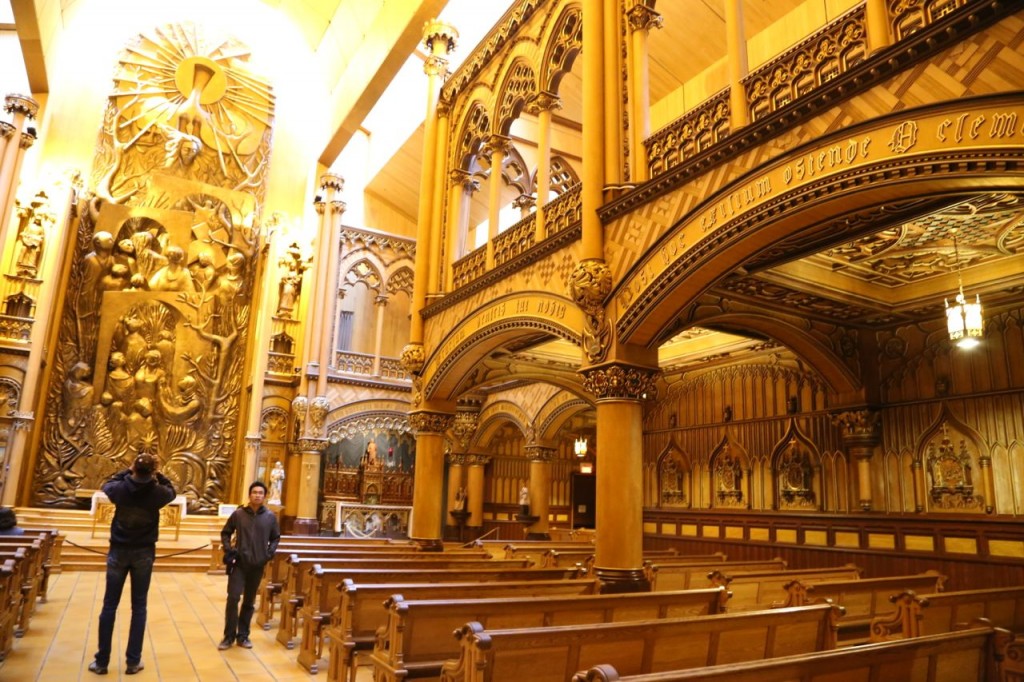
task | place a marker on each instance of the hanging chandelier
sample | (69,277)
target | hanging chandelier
(963,320)
(580,447)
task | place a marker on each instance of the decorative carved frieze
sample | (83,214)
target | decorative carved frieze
(310,445)
(539,453)
(620,381)
(589,286)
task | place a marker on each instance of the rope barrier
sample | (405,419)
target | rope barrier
(160,556)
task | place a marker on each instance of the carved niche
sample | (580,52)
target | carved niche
(728,474)
(152,336)
(949,471)
(673,479)
(796,469)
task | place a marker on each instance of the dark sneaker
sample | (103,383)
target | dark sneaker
(95,667)
(132,669)
(245,642)
(225,643)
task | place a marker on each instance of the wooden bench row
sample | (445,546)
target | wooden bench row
(25,568)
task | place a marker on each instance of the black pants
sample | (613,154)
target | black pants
(243,583)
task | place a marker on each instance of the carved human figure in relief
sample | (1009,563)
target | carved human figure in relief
(287,294)
(150,377)
(95,265)
(120,384)
(173,276)
(77,399)
(203,272)
(370,460)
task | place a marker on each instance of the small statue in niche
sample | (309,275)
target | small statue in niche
(460,499)
(29,250)
(288,292)
(524,501)
(276,483)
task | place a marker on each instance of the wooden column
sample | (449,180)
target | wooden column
(593,176)
(439,38)
(16,140)
(382,304)
(456,480)
(737,64)
(494,151)
(475,490)
(540,491)
(437,264)
(642,18)
(542,104)
(619,389)
(876,16)
(861,434)
(426,525)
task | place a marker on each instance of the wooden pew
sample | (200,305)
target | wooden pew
(10,601)
(535,551)
(416,641)
(555,654)
(41,545)
(973,654)
(863,599)
(354,622)
(309,542)
(51,545)
(27,568)
(322,595)
(299,569)
(665,576)
(941,612)
(585,557)
(275,574)
(758,590)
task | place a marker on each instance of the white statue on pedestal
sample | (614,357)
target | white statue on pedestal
(276,483)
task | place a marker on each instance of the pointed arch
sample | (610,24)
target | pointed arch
(564,44)
(730,474)
(949,453)
(520,83)
(796,472)
(674,477)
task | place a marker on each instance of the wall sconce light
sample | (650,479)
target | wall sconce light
(580,447)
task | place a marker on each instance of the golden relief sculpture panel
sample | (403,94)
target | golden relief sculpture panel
(154,330)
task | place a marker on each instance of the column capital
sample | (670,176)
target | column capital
(859,427)
(443,109)
(27,140)
(21,104)
(435,66)
(539,453)
(338,206)
(477,460)
(496,143)
(381,300)
(430,422)
(642,17)
(319,207)
(469,182)
(6,129)
(543,101)
(332,181)
(309,445)
(524,202)
(440,37)
(456,459)
(465,423)
(620,381)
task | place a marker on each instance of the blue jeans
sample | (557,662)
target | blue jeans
(137,562)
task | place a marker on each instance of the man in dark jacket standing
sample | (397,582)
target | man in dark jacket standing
(256,535)
(138,494)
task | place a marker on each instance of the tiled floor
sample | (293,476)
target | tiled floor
(186,618)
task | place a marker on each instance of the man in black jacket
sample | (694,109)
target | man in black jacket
(256,536)
(138,494)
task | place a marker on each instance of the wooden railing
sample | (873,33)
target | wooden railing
(469,267)
(353,363)
(685,137)
(563,212)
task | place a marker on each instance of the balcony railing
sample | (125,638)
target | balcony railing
(515,240)
(469,267)
(686,137)
(349,362)
(564,211)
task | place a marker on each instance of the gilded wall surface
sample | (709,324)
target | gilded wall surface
(160,296)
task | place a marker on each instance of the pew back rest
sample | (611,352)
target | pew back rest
(555,654)
(950,657)
(665,576)
(1003,606)
(361,609)
(420,631)
(868,597)
(767,589)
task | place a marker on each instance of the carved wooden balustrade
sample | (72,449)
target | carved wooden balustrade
(515,240)
(809,69)
(353,363)
(563,212)
(821,57)
(391,368)
(686,137)
(469,267)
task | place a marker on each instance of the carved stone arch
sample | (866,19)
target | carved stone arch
(495,422)
(563,176)
(824,361)
(10,395)
(796,472)
(553,422)
(488,327)
(730,471)
(515,173)
(473,131)
(674,477)
(401,279)
(563,46)
(520,83)
(948,460)
(365,269)
(274,424)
